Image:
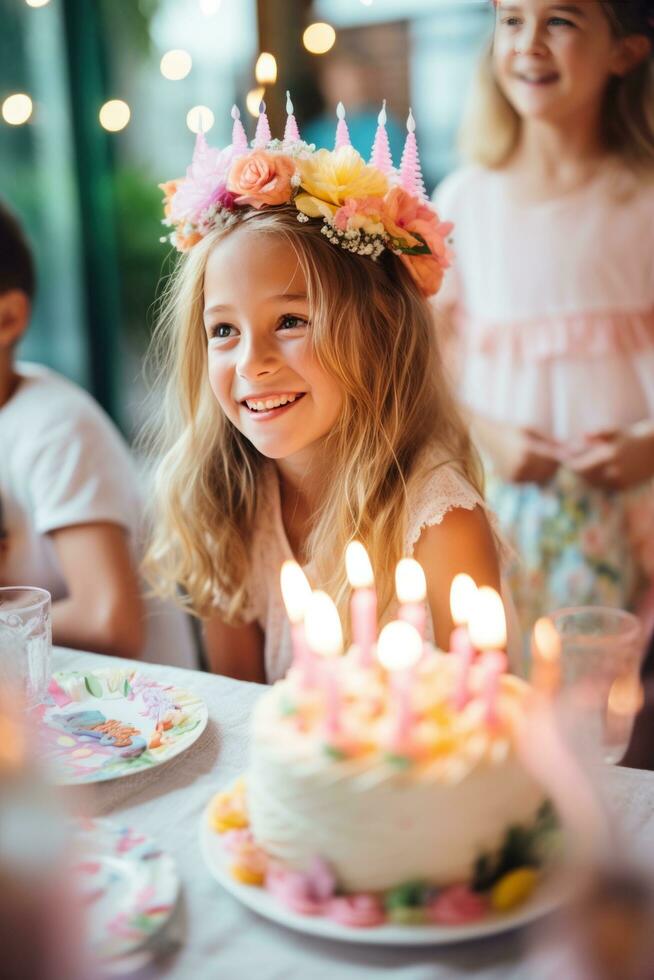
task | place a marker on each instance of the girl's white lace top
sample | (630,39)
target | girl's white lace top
(436,489)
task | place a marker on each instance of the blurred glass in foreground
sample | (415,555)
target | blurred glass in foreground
(588,659)
(25,642)
(40,921)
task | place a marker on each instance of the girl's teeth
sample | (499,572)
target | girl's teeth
(271,403)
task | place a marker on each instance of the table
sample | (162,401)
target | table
(225,940)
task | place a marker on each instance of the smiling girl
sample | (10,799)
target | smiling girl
(552,296)
(306,405)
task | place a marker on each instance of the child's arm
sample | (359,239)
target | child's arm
(462,542)
(103,611)
(235,651)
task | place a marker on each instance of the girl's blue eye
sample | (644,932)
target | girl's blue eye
(291,322)
(510,21)
(222,331)
(561,22)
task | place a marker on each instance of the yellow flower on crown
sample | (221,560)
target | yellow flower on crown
(330,177)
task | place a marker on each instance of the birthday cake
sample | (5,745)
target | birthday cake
(349,811)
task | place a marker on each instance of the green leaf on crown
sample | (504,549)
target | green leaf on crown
(421,249)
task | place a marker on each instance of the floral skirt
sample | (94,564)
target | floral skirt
(574,544)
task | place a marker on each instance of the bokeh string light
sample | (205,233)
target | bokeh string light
(17,109)
(114,115)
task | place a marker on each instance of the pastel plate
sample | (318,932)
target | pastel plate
(552,892)
(128,886)
(114,722)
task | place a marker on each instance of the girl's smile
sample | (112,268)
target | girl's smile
(266,406)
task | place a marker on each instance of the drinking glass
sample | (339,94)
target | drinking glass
(601,693)
(25,642)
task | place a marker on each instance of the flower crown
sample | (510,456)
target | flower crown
(364,207)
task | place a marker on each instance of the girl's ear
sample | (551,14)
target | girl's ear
(631,52)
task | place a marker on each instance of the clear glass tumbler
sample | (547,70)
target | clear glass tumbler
(601,693)
(25,642)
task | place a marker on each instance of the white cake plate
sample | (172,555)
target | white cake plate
(550,894)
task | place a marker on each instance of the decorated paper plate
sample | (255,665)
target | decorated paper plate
(235,862)
(114,722)
(128,886)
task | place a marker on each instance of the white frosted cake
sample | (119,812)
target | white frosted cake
(400,817)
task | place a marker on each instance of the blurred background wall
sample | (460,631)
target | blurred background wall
(99,100)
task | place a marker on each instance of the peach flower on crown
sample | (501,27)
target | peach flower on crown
(261,179)
(420,237)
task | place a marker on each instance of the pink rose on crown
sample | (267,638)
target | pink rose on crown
(261,179)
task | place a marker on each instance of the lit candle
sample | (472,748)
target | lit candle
(487,627)
(398,650)
(546,657)
(325,637)
(463,593)
(364,600)
(296,593)
(411,588)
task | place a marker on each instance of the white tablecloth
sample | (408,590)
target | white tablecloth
(223,939)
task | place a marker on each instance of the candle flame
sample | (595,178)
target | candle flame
(399,646)
(463,593)
(410,582)
(487,623)
(359,569)
(296,591)
(547,642)
(323,626)
(626,696)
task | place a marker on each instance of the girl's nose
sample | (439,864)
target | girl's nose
(529,40)
(257,360)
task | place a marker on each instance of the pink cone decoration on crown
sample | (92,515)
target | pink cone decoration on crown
(342,132)
(410,170)
(381,151)
(291,132)
(239,138)
(262,135)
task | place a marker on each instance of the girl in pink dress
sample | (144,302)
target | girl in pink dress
(552,295)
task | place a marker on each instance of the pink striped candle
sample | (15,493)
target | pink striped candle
(363,605)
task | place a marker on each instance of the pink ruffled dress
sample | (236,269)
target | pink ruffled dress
(554,308)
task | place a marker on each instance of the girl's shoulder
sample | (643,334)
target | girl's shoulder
(437,486)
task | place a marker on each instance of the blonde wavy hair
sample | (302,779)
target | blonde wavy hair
(374,334)
(490,129)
